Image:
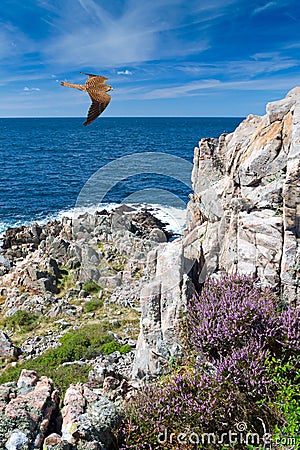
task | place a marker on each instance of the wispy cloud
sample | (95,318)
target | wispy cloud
(198,88)
(258,64)
(101,38)
(139,32)
(28,89)
(124,72)
(190,89)
(265,7)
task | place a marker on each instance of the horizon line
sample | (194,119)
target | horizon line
(124,117)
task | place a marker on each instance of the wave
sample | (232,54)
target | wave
(173,217)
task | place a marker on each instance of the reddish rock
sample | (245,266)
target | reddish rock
(52,439)
(34,407)
(110,384)
(75,403)
(6,392)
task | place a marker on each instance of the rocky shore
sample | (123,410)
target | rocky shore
(63,276)
(119,273)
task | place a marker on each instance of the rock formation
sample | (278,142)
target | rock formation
(31,417)
(26,410)
(244,216)
(109,249)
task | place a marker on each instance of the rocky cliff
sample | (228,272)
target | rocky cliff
(243,217)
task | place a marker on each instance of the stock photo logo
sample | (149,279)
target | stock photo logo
(236,437)
(94,192)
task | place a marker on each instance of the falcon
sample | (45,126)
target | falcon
(97,91)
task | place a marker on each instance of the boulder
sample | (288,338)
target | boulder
(88,419)
(18,440)
(26,411)
(7,348)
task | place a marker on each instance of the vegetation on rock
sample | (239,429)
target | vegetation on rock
(91,287)
(21,321)
(77,345)
(241,369)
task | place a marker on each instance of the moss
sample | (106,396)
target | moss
(91,287)
(65,281)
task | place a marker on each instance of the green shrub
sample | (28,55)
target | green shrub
(286,378)
(83,343)
(21,320)
(125,349)
(92,305)
(63,376)
(110,347)
(73,347)
(114,346)
(91,287)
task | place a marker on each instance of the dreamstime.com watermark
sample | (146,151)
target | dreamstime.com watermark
(232,437)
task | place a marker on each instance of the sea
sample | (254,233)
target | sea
(51,167)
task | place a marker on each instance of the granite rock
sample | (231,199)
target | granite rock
(243,217)
(256,192)
(7,348)
(26,411)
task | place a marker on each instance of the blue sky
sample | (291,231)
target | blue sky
(163,57)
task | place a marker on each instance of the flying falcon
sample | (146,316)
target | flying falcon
(97,91)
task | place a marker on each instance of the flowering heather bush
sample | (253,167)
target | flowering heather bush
(189,403)
(242,345)
(283,334)
(228,313)
(246,368)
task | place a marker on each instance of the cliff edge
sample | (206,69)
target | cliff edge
(243,217)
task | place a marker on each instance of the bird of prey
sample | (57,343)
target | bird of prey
(97,91)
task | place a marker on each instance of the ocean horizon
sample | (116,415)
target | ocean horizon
(47,161)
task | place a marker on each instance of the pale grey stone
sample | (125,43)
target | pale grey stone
(18,441)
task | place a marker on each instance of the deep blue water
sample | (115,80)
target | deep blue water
(46,162)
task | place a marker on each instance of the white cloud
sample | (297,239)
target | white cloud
(265,7)
(197,88)
(124,72)
(136,33)
(26,88)
(259,64)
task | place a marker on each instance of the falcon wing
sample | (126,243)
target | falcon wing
(97,107)
(91,75)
